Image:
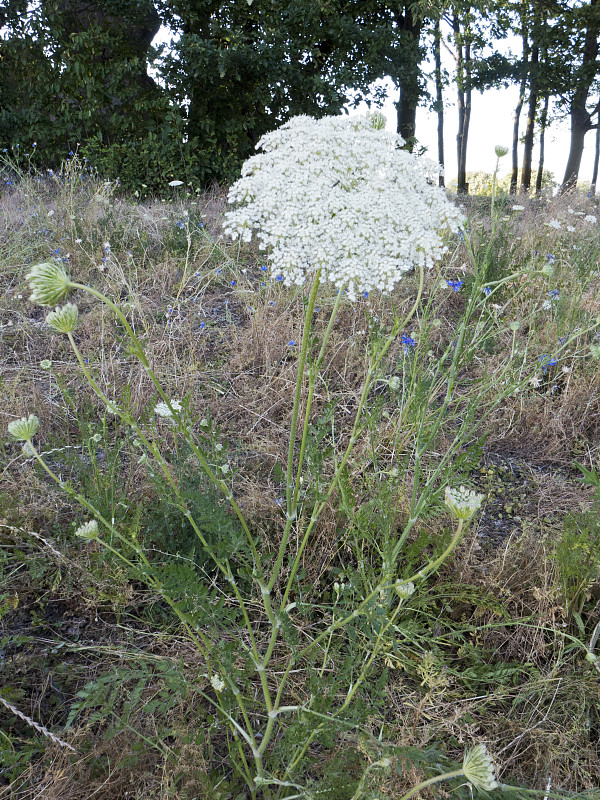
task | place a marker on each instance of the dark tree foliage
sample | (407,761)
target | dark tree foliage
(74,73)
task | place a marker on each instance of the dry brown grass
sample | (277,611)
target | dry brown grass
(227,348)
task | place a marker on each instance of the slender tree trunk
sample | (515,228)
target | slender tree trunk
(530,128)
(439,99)
(543,124)
(596,159)
(463,93)
(514,176)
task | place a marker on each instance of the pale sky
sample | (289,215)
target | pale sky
(492,124)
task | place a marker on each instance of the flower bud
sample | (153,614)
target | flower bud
(404,589)
(25,428)
(462,502)
(50,284)
(500,150)
(63,319)
(89,530)
(478,769)
(46,363)
(377,119)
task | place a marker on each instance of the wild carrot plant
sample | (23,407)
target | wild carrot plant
(342,212)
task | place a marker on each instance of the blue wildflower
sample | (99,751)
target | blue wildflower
(279,278)
(553,292)
(487,290)
(292,343)
(546,361)
(180,224)
(455,285)
(408,342)
(263,268)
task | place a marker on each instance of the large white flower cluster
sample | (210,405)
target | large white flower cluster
(339,193)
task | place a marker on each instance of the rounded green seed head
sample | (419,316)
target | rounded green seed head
(49,282)
(500,150)
(25,428)
(64,318)
(478,768)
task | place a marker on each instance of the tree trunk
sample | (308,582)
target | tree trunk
(530,128)
(543,124)
(596,159)
(514,176)
(580,125)
(407,117)
(581,121)
(439,100)
(407,76)
(463,94)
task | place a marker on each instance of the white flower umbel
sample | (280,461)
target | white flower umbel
(63,319)
(49,282)
(341,195)
(462,502)
(25,428)
(163,410)
(478,769)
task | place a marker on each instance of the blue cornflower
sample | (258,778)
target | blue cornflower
(271,302)
(365,295)
(455,285)
(203,324)
(408,342)
(180,224)
(232,283)
(292,343)
(279,277)
(263,268)
(553,292)
(487,290)
(546,361)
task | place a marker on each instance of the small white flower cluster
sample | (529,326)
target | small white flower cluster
(163,410)
(340,194)
(462,502)
(217,682)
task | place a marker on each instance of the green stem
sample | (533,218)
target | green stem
(433,565)
(446,776)
(298,392)
(141,355)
